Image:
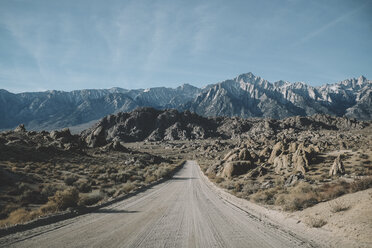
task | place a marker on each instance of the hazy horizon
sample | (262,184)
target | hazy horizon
(112,87)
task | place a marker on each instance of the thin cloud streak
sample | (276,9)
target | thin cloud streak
(329,25)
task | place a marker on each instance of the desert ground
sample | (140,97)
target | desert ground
(300,182)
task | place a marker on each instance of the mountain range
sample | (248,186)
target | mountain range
(244,96)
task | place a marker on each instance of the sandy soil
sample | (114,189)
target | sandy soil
(348,217)
(186,211)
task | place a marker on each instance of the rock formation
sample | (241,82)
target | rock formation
(337,167)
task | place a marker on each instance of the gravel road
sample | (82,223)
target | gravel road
(182,212)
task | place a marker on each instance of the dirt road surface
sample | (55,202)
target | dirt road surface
(182,212)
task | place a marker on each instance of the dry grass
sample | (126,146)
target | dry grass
(20,215)
(338,206)
(361,184)
(127,187)
(91,199)
(300,196)
(315,222)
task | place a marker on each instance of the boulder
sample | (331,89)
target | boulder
(20,128)
(232,155)
(244,154)
(63,134)
(257,172)
(337,167)
(96,138)
(228,155)
(277,150)
(293,147)
(300,163)
(265,153)
(293,179)
(282,163)
(214,168)
(236,168)
(343,146)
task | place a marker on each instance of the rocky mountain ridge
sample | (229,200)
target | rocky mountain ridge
(244,96)
(149,124)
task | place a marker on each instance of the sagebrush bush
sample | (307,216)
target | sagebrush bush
(219,179)
(267,196)
(64,199)
(338,206)
(84,187)
(127,187)
(20,215)
(150,178)
(315,222)
(91,199)
(361,184)
(163,172)
(70,179)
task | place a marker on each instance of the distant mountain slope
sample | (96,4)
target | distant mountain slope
(57,109)
(251,96)
(245,96)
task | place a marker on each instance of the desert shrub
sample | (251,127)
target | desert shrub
(363,156)
(227,185)
(30,196)
(163,172)
(219,179)
(127,187)
(315,222)
(20,215)
(266,196)
(84,187)
(296,201)
(279,181)
(299,197)
(22,187)
(338,206)
(90,199)
(103,177)
(48,190)
(150,178)
(136,178)
(331,191)
(211,176)
(250,188)
(361,184)
(70,179)
(121,177)
(62,200)
(302,187)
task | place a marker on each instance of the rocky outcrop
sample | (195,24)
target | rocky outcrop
(167,125)
(238,162)
(277,150)
(282,164)
(337,167)
(293,179)
(150,124)
(20,128)
(300,162)
(96,138)
(286,158)
(244,154)
(38,146)
(236,168)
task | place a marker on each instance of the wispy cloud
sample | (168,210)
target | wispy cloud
(329,25)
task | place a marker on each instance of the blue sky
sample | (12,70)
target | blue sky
(68,45)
